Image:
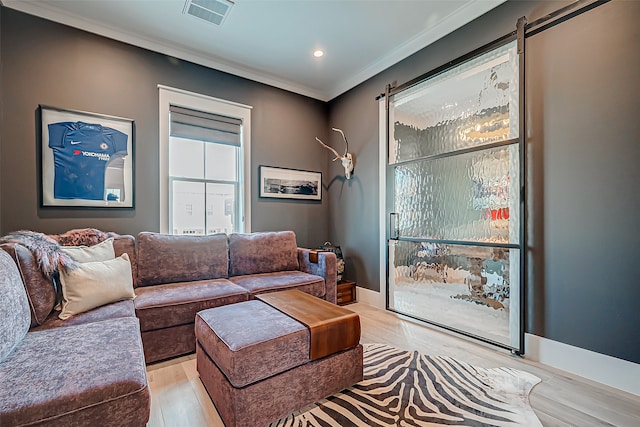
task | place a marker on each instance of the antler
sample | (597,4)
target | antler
(346,158)
(346,150)
(329,148)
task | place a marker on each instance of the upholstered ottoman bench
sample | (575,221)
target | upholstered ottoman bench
(259,364)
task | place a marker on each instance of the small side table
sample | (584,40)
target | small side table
(346,293)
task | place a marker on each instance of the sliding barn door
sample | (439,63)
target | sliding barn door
(454,198)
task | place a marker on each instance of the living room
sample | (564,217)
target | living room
(580,315)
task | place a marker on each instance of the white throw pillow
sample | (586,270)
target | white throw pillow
(93,284)
(103,251)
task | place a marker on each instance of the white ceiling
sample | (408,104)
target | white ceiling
(272,41)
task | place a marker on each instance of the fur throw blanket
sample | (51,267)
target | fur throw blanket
(82,237)
(46,251)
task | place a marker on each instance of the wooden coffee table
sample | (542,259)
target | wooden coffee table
(332,328)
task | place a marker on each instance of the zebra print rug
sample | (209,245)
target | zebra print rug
(404,388)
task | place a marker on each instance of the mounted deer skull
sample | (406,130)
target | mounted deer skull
(346,158)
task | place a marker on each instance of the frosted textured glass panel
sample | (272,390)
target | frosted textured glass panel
(468,288)
(468,197)
(473,104)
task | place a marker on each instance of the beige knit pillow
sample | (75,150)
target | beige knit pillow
(93,284)
(103,251)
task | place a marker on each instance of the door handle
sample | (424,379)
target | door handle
(394,230)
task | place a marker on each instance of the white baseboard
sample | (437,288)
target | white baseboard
(614,372)
(373,298)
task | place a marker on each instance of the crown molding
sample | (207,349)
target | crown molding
(43,10)
(450,23)
(447,25)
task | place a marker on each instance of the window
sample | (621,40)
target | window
(204,164)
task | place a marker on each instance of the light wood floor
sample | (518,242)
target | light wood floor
(561,399)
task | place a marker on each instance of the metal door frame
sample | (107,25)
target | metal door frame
(523,31)
(391,90)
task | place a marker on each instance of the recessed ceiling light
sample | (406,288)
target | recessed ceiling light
(318,53)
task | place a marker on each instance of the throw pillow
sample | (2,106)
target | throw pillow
(94,284)
(101,252)
(82,236)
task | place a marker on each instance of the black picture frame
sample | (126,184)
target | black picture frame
(283,183)
(87,160)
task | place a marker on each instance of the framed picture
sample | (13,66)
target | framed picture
(281,183)
(87,159)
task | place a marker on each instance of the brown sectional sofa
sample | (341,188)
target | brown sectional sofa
(89,371)
(181,275)
(90,368)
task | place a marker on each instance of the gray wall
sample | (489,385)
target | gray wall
(583,114)
(584,99)
(51,64)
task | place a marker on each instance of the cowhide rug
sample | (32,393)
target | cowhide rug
(405,388)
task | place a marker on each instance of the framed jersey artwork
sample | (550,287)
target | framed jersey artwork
(87,159)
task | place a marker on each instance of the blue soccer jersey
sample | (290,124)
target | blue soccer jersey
(81,153)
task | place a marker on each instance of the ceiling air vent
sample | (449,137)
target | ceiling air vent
(214,11)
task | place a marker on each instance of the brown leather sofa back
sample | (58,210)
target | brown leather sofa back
(263,253)
(163,258)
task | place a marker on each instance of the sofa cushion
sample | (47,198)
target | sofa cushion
(92,374)
(164,258)
(269,282)
(126,244)
(41,293)
(103,251)
(252,341)
(110,311)
(93,284)
(173,304)
(262,252)
(14,310)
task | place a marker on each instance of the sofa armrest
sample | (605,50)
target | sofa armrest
(325,267)
(41,291)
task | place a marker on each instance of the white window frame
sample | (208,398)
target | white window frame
(172,96)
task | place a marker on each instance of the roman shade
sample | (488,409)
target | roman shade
(203,126)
